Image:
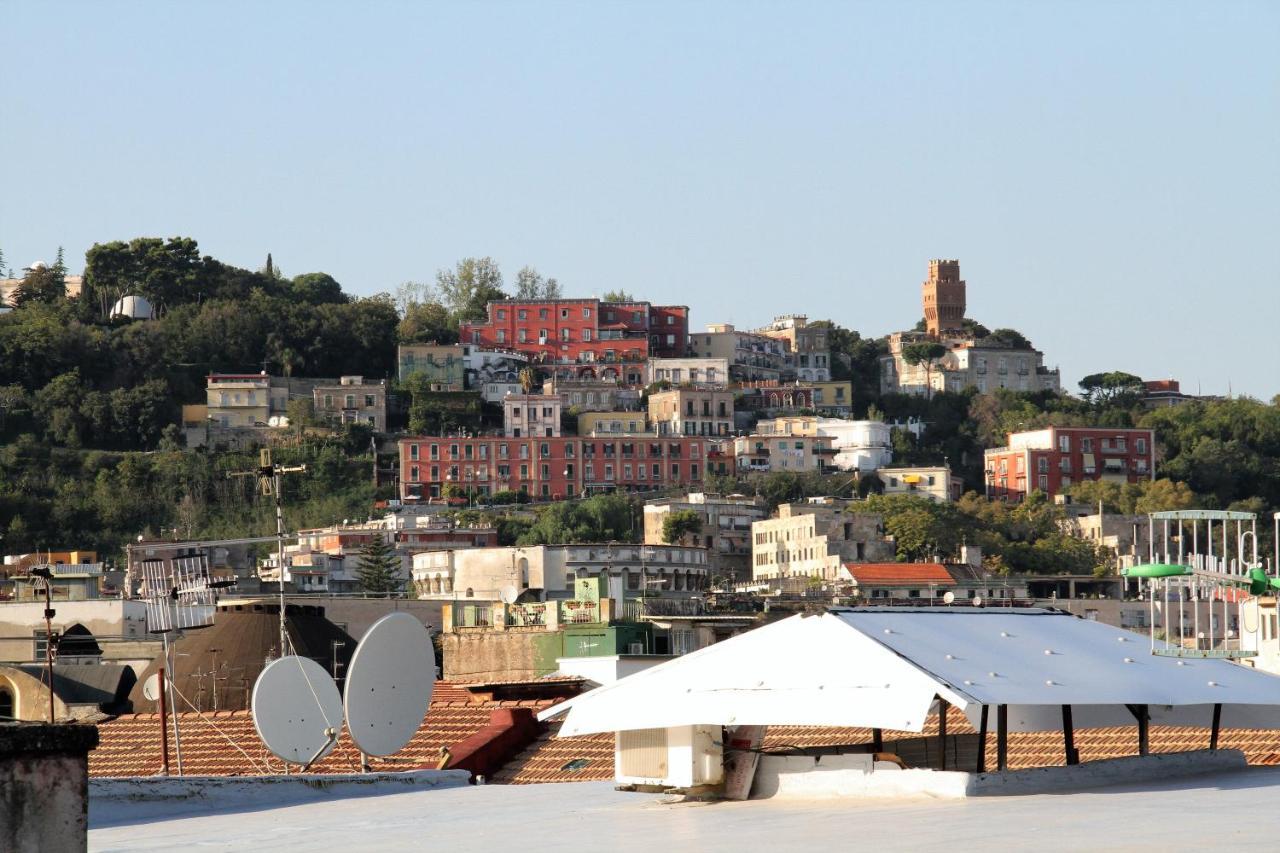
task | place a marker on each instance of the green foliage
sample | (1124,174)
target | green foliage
(469,287)
(317,288)
(599,518)
(378,568)
(680,523)
(508,496)
(440,412)
(531,285)
(1114,388)
(1011,338)
(47,285)
(923,352)
(1134,498)
(618,295)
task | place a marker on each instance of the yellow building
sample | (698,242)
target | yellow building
(605,423)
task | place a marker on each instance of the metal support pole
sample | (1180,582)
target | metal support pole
(877,740)
(943,704)
(982,740)
(48,639)
(164,726)
(284,639)
(1002,737)
(1069,737)
(1217,725)
(1143,717)
(167,684)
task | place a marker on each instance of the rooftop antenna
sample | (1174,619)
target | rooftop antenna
(268,474)
(389,684)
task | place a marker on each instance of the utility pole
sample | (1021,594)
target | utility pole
(269,474)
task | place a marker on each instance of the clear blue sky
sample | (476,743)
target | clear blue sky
(1107,173)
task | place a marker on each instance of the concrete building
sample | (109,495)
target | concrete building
(1127,537)
(237,400)
(691,411)
(443,365)
(119,626)
(711,372)
(833,398)
(749,355)
(1053,458)
(796,453)
(613,423)
(815,540)
(528,415)
(928,583)
(352,400)
(860,445)
(586,338)
(984,364)
(593,395)
(549,468)
(809,353)
(935,483)
(544,572)
(726,528)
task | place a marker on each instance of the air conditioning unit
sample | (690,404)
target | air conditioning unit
(680,757)
(635,649)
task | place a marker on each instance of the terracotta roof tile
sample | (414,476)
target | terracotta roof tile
(900,573)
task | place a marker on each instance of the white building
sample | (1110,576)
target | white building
(860,445)
(531,415)
(935,483)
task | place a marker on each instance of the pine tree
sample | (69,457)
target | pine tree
(378,568)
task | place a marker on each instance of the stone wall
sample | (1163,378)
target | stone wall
(44,787)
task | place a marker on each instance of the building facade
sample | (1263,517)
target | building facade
(808,352)
(528,415)
(592,395)
(613,423)
(442,364)
(238,400)
(795,453)
(726,528)
(691,411)
(750,356)
(943,295)
(982,364)
(860,445)
(934,483)
(713,372)
(1051,459)
(352,400)
(549,468)
(815,540)
(586,338)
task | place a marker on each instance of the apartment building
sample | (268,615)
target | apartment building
(1053,458)
(860,445)
(526,415)
(726,528)
(815,540)
(586,337)
(352,400)
(613,423)
(809,354)
(749,355)
(935,483)
(442,364)
(795,453)
(713,372)
(592,395)
(549,468)
(691,411)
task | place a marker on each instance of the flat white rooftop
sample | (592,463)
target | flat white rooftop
(1206,812)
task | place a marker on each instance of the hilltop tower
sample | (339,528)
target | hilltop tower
(943,297)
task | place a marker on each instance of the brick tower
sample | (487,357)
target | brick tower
(943,297)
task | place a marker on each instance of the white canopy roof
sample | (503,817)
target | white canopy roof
(882,668)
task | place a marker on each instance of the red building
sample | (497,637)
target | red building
(549,468)
(590,338)
(1053,458)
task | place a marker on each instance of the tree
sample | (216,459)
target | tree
(42,284)
(379,568)
(618,295)
(528,379)
(1011,338)
(679,523)
(467,289)
(531,285)
(317,288)
(1112,389)
(926,353)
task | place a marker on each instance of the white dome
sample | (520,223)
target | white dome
(36,265)
(134,307)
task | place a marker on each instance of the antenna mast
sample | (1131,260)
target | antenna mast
(268,474)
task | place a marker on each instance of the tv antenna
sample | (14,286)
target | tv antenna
(269,485)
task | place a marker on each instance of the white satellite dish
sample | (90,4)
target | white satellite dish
(948,597)
(389,682)
(297,709)
(509,594)
(151,687)
(977,601)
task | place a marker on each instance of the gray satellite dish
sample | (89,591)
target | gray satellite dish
(948,597)
(297,709)
(151,687)
(389,684)
(509,594)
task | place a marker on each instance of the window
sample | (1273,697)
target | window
(543,314)
(502,313)
(40,643)
(413,474)
(351,401)
(522,314)
(1042,465)
(328,401)
(564,313)
(524,472)
(1086,445)
(586,335)
(1064,444)
(368,401)
(502,336)
(413,452)
(586,312)
(1043,482)
(522,336)
(1140,445)
(6,703)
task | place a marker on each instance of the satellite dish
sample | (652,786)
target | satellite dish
(977,601)
(297,709)
(509,594)
(948,597)
(389,683)
(151,687)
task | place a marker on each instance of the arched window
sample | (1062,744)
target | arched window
(6,704)
(471,593)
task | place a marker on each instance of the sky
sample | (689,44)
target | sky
(1107,173)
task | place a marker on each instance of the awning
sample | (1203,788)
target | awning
(882,668)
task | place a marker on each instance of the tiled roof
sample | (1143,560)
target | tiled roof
(870,574)
(225,743)
(551,758)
